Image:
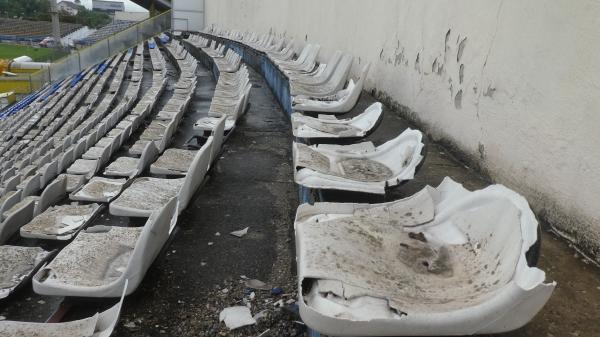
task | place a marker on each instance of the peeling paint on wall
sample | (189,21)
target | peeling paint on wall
(458,99)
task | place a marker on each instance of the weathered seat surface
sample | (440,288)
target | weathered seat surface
(17,264)
(99,189)
(359,167)
(445,261)
(60,222)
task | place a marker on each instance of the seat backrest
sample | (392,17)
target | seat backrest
(104,157)
(80,148)
(125,135)
(65,159)
(48,172)
(52,194)
(7,174)
(312,55)
(166,139)
(352,98)
(245,99)
(304,53)
(9,202)
(332,64)
(195,174)
(153,237)
(149,153)
(16,220)
(44,159)
(338,79)
(101,129)
(218,134)
(91,139)
(11,183)
(32,185)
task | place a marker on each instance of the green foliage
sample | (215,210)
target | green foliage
(87,18)
(26,9)
(10,51)
(39,10)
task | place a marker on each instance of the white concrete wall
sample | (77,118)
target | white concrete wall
(188,15)
(513,84)
(132,16)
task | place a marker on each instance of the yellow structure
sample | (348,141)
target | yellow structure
(7,98)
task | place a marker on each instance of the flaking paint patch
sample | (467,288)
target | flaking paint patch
(489,92)
(418,62)
(461,48)
(458,99)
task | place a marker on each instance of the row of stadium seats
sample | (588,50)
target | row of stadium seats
(148,179)
(17,29)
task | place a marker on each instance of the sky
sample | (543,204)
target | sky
(129,6)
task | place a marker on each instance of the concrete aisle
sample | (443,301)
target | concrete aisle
(250,186)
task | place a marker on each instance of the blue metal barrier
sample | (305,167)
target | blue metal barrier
(277,80)
(76,79)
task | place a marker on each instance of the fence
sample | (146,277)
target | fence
(94,54)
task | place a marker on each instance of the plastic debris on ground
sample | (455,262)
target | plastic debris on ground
(241,232)
(236,317)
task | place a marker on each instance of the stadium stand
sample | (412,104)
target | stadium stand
(93,147)
(25,30)
(59,174)
(105,31)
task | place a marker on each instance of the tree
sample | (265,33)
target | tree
(39,10)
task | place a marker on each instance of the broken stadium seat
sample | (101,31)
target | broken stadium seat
(342,102)
(102,259)
(99,189)
(17,267)
(132,167)
(60,222)
(101,324)
(327,126)
(147,194)
(445,261)
(335,83)
(359,167)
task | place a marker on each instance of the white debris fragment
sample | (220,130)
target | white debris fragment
(236,317)
(257,284)
(241,232)
(211,243)
(130,325)
(261,314)
(217,234)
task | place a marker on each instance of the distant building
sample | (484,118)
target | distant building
(131,16)
(108,6)
(69,8)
